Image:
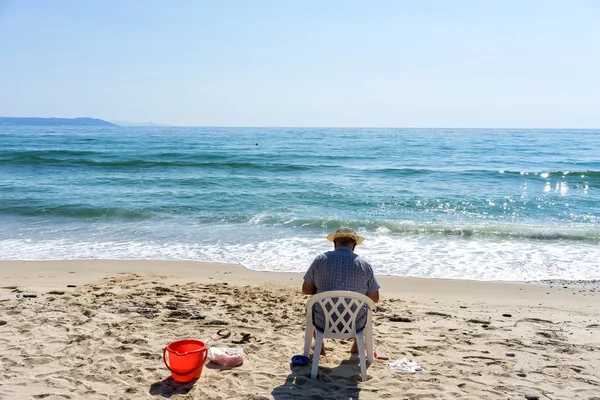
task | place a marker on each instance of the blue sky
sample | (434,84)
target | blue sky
(304,63)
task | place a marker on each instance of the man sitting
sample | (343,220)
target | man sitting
(341,269)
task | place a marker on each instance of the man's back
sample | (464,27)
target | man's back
(340,269)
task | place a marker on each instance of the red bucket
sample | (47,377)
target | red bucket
(185,359)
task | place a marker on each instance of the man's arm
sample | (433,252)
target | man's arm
(372,285)
(374,296)
(309,288)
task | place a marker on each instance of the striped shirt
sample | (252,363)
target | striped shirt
(341,269)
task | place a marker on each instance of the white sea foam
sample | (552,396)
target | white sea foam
(420,256)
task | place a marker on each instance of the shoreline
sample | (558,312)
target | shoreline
(214,264)
(56,274)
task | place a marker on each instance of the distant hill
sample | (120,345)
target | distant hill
(28,121)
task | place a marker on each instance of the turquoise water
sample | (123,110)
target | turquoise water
(478,204)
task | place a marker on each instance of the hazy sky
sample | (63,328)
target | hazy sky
(304,63)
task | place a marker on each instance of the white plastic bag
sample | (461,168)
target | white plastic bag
(231,357)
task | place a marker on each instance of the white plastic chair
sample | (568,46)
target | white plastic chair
(341,309)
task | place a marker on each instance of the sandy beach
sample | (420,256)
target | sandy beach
(96,329)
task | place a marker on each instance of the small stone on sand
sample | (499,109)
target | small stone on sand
(397,318)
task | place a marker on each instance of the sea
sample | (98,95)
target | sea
(481,204)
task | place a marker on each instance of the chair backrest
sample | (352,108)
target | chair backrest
(341,309)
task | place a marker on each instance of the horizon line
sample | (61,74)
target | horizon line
(167,125)
(367,127)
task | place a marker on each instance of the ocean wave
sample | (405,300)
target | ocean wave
(409,227)
(465,229)
(207,162)
(217,161)
(75,211)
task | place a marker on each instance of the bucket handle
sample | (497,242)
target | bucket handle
(183,354)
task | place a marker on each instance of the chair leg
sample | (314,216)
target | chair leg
(316,354)
(308,340)
(360,341)
(369,343)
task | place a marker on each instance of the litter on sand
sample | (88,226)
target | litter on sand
(229,357)
(404,365)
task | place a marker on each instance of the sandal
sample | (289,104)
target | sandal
(246,337)
(224,333)
(221,334)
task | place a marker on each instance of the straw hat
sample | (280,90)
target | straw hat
(345,233)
